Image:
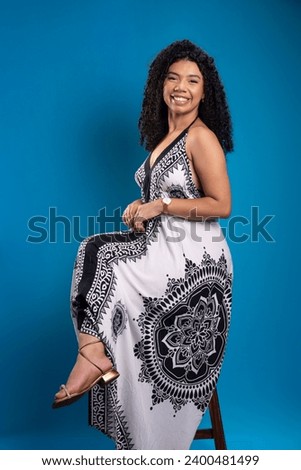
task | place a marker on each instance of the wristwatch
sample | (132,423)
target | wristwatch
(165,201)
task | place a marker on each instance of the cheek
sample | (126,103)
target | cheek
(198,93)
(202,90)
(165,92)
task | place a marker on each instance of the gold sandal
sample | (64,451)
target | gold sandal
(105,378)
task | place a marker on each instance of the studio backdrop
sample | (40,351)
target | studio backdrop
(72,80)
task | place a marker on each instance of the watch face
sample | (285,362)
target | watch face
(167,200)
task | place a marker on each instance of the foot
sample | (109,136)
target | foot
(83,372)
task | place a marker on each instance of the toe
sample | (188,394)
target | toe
(60,394)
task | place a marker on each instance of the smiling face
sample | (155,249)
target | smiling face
(183,87)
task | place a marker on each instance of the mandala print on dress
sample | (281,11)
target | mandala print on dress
(184,334)
(119,319)
(176,191)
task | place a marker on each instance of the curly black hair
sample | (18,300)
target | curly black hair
(213,111)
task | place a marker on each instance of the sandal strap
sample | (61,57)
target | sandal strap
(88,344)
(89,360)
(63,387)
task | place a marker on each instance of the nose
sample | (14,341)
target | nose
(179,87)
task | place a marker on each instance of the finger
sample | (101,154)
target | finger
(125,213)
(139,228)
(129,221)
(125,217)
(139,224)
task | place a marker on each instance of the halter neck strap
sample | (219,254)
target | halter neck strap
(191,123)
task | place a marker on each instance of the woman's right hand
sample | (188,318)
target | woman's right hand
(129,213)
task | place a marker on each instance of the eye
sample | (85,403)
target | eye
(193,81)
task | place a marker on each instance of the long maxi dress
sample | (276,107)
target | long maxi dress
(160,301)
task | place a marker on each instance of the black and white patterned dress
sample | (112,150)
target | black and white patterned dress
(161,302)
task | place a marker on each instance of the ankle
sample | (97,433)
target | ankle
(91,347)
(87,340)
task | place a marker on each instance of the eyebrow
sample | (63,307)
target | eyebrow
(190,75)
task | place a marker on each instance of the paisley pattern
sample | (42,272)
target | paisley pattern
(161,305)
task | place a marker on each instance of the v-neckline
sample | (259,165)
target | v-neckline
(169,146)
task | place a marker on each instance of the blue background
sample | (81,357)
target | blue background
(71,84)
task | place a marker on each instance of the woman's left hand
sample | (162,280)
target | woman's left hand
(146,211)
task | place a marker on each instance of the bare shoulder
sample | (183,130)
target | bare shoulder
(202,141)
(201,135)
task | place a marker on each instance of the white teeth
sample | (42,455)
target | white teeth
(180,99)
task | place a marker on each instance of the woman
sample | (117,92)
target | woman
(153,302)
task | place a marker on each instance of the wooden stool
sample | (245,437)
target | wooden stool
(216,432)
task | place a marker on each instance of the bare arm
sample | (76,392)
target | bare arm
(208,160)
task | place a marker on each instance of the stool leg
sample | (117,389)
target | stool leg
(217,425)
